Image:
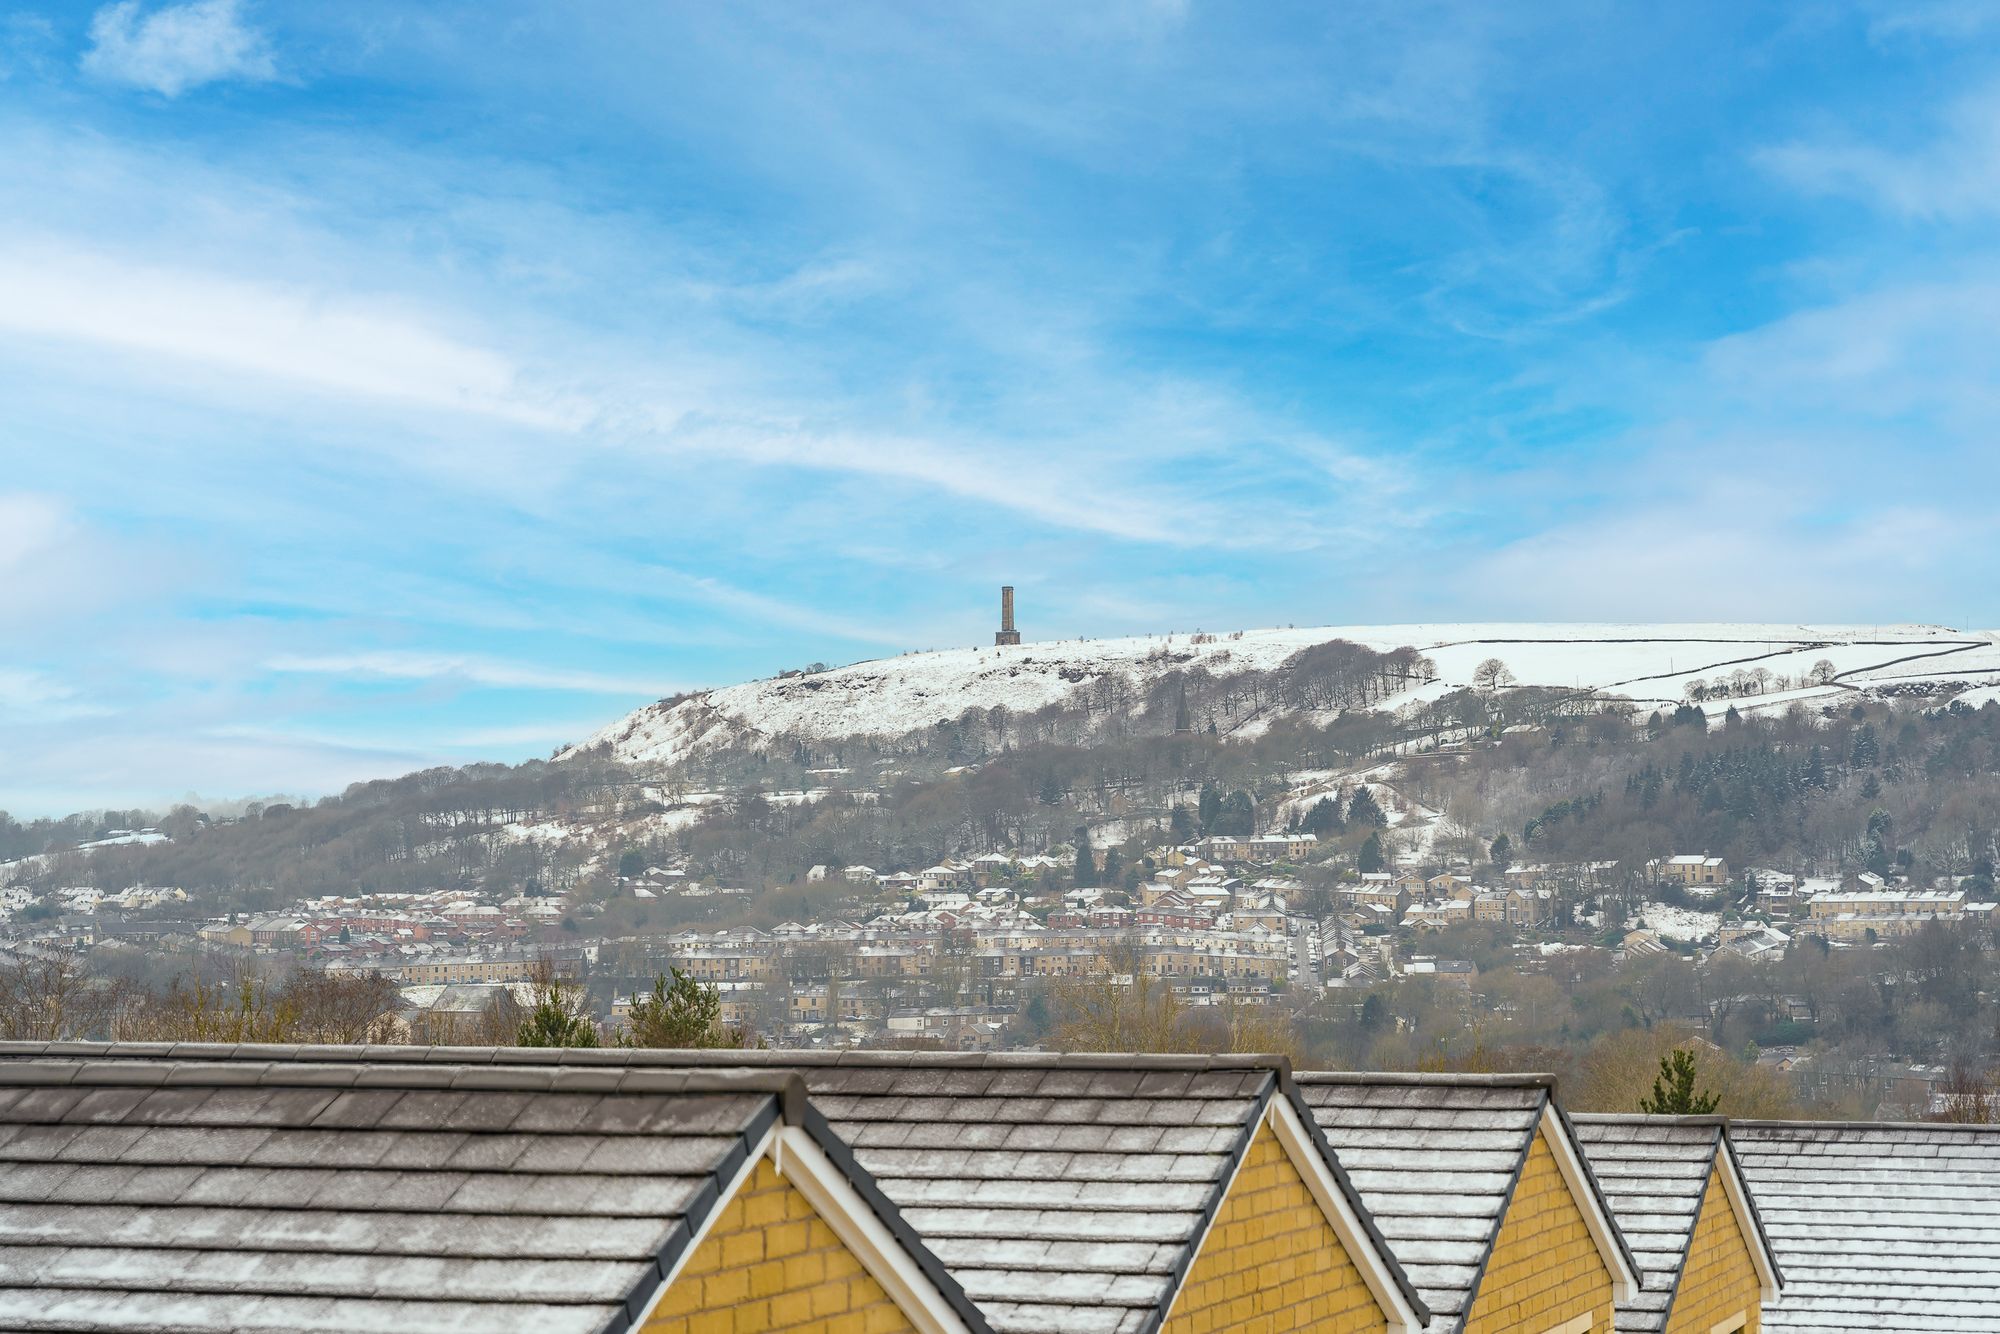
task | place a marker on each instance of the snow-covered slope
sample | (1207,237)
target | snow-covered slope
(1649,663)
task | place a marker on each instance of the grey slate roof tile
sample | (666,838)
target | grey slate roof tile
(1654,1172)
(1434,1158)
(1878,1227)
(242,1194)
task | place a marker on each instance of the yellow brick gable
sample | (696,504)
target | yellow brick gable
(1719,1277)
(1271,1261)
(1545,1270)
(771,1263)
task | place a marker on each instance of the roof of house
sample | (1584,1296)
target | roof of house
(1436,1158)
(1878,1226)
(1064,1193)
(236,1188)
(1654,1171)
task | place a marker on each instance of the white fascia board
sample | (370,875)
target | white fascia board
(802,1162)
(1604,1232)
(1299,1146)
(1746,1222)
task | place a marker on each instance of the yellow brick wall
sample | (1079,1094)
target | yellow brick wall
(1719,1279)
(1271,1261)
(771,1263)
(1545,1270)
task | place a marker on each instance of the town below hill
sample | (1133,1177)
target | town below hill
(1339,853)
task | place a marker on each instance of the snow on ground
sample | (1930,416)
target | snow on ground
(893,696)
(126,838)
(1670,923)
(1971,699)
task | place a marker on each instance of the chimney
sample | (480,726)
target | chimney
(1008,634)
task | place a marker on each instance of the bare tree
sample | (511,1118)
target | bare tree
(1492,675)
(57,998)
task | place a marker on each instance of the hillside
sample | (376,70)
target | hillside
(1649,664)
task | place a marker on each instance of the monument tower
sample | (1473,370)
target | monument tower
(1007,634)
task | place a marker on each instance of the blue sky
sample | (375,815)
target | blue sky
(384,385)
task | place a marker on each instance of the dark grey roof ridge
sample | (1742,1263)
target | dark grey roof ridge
(676,1057)
(192,1071)
(1444,1080)
(1974,1127)
(1646,1119)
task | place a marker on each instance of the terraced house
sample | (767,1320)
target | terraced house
(1479,1187)
(1678,1195)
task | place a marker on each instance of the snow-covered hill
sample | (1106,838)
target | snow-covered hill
(1650,664)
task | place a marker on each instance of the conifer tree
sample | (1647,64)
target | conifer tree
(1673,1090)
(558,1018)
(1371,859)
(681,1013)
(1086,867)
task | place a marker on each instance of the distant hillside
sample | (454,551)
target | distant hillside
(1239,684)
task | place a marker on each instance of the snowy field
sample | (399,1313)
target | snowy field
(892,696)
(1685,924)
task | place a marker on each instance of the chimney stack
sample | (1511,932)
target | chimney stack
(1008,634)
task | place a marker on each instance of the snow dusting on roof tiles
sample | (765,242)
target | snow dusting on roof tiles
(1435,1160)
(236,1195)
(1654,1171)
(1878,1227)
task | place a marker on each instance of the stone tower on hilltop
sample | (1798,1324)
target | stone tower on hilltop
(1007,633)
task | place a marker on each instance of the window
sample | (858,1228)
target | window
(1736,1324)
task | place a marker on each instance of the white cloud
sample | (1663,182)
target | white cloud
(38,696)
(176,47)
(293,334)
(411,665)
(1953,177)
(29,526)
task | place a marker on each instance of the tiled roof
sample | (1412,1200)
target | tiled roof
(213,1190)
(1435,1161)
(1064,1193)
(1654,1171)
(1878,1227)
(1435,1158)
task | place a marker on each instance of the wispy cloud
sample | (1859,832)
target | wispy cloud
(176,47)
(401,665)
(290,334)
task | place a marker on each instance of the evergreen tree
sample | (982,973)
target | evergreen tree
(1182,722)
(1374,1013)
(1086,867)
(681,1013)
(1238,816)
(1114,868)
(558,1018)
(1323,820)
(1180,825)
(1673,1090)
(1206,808)
(1371,859)
(1364,809)
(1502,852)
(1866,748)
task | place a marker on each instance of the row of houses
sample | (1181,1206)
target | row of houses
(241,1187)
